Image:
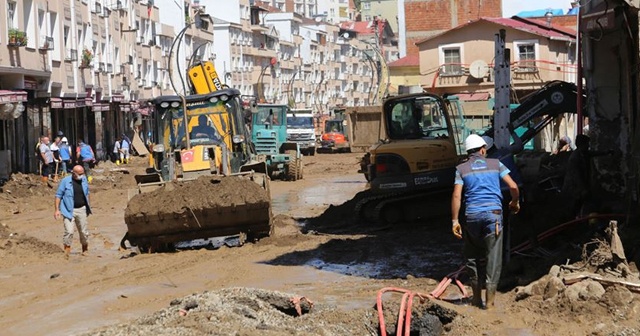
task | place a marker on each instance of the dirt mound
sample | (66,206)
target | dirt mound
(202,193)
(336,216)
(14,246)
(286,232)
(243,311)
(27,185)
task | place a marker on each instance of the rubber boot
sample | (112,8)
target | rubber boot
(67,251)
(85,250)
(476,287)
(117,162)
(491,295)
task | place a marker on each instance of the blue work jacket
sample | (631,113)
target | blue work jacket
(65,194)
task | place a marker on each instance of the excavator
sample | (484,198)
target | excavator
(417,159)
(202,138)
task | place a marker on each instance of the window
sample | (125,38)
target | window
(11,15)
(526,55)
(366,5)
(451,60)
(414,118)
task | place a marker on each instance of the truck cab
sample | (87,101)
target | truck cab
(301,130)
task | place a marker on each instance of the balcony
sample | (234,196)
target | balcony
(71,55)
(109,68)
(451,70)
(17,38)
(46,43)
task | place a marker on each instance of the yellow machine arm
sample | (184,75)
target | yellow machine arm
(204,78)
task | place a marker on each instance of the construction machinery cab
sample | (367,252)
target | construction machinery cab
(269,134)
(213,141)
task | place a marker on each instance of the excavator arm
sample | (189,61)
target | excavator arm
(539,108)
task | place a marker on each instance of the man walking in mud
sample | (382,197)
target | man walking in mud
(479,179)
(72,203)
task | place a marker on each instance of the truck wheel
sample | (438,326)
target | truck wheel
(312,151)
(293,166)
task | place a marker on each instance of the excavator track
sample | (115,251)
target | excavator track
(396,207)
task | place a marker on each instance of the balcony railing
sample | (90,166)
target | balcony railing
(71,55)
(451,70)
(46,43)
(526,66)
(17,38)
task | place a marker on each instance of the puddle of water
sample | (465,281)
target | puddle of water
(365,270)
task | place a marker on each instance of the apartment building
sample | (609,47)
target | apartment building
(87,68)
(336,11)
(387,9)
(90,68)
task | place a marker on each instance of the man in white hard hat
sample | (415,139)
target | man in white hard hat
(479,178)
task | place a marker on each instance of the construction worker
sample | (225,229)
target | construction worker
(479,179)
(84,155)
(125,149)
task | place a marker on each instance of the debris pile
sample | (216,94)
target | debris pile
(243,311)
(602,284)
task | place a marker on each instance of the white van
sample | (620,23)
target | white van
(301,129)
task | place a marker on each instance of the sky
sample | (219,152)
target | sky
(513,7)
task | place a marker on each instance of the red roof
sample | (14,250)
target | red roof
(361,27)
(409,60)
(536,27)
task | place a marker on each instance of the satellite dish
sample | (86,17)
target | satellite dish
(478,69)
(345,35)
(318,19)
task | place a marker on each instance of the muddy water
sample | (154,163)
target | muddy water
(297,201)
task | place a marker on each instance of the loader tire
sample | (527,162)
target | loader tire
(293,166)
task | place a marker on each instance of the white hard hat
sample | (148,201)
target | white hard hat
(473,141)
(488,140)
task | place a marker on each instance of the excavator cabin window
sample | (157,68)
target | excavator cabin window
(417,117)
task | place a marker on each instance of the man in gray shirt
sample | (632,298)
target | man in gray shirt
(46,155)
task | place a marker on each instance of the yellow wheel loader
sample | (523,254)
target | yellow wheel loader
(204,182)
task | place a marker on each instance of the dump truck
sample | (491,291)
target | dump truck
(269,133)
(205,179)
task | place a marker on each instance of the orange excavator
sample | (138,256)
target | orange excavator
(335,137)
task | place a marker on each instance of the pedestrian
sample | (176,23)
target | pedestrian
(72,203)
(46,157)
(117,151)
(84,155)
(55,149)
(125,146)
(577,179)
(478,178)
(564,145)
(65,156)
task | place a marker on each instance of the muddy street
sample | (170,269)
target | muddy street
(318,252)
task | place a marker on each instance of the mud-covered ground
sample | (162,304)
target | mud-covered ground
(318,254)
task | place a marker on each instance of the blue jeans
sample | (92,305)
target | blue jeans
(483,239)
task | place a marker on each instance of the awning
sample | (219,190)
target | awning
(69,104)
(8,96)
(117,98)
(100,107)
(474,96)
(56,103)
(145,111)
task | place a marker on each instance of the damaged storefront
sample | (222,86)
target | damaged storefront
(610,63)
(14,125)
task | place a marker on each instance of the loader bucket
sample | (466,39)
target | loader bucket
(210,206)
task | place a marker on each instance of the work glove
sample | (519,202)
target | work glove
(456,229)
(514,206)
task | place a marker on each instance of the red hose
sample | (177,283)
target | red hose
(404,314)
(549,233)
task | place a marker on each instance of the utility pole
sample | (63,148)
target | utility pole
(502,79)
